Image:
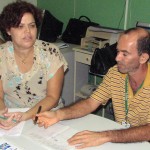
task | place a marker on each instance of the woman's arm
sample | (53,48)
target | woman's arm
(2,104)
(8,123)
(54,88)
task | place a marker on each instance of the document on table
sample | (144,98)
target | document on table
(7,145)
(17,130)
(54,137)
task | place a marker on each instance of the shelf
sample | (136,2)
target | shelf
(79,94)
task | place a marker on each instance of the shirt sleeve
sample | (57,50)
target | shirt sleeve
(148,118)
(55,61)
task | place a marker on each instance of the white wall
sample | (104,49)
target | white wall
(3,3)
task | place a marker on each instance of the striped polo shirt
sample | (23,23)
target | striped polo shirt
(113,86)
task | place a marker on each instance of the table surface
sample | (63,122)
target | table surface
(89,122)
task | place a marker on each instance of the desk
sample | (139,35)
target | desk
(89,122)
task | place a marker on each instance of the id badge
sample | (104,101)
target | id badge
(125,124)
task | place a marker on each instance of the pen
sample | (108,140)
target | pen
(5,118)
(36,118)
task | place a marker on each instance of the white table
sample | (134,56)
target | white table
(89,122)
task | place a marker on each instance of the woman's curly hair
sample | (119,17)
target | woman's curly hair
(12,14)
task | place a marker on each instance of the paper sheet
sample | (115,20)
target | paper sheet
(15,131)
(7,145)
(54,137)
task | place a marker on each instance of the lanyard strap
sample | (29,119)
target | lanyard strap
(126,95)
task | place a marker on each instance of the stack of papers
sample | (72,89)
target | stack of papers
(7,145)
(62,45)
(54,137)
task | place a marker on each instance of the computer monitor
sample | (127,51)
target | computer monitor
(143,25)
(50,27)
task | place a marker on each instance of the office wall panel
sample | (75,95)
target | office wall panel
(5,2)
(107,12)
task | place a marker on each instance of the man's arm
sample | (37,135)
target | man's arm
(134,134)
(89,138)
(77,110)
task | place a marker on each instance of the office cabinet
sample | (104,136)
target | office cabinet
(68,88)
(81,67)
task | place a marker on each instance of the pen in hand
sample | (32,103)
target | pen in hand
(36,118)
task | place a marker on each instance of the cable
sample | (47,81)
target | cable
(74,9)
(122,14)
(126,15)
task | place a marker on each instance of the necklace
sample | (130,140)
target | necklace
(23,60)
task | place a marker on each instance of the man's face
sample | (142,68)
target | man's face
(128,60)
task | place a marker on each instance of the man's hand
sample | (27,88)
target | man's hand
(47,118)
(88,138)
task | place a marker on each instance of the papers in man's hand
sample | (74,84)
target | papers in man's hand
(54,137)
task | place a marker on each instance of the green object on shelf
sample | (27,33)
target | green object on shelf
(92,78)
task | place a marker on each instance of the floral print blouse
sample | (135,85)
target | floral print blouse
(27,89)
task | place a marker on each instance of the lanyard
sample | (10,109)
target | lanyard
(126,94)
(126,123)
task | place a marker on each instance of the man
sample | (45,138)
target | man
(128,84)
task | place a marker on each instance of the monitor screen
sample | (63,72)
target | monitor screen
(50,27)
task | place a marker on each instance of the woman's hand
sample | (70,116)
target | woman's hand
(47,118)
(18,116)
(7,122)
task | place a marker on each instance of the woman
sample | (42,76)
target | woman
(31,71)
(1,41)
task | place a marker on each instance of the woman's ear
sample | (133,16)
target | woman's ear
(8,32)
(144,58)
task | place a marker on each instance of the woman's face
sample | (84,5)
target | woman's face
(24,36)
